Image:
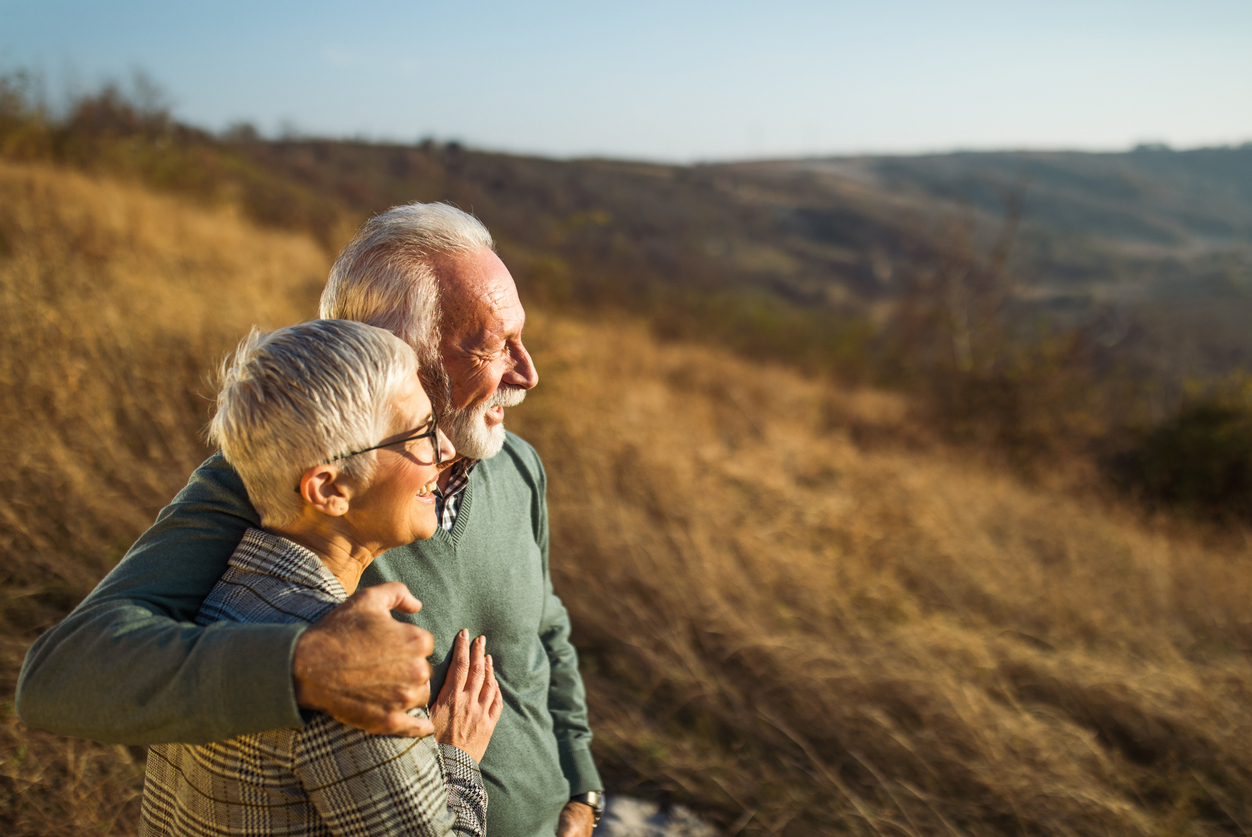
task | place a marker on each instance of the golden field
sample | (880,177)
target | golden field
(796,613)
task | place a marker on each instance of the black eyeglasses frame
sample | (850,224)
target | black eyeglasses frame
(432,434)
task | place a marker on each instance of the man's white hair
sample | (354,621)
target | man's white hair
(386,274)
(301,396)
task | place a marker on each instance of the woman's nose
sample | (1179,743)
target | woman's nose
(446,451)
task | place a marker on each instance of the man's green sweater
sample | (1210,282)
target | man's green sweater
(128,665)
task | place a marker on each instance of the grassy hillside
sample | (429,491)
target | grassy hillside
(113,303)
(797,611)
(1144,256)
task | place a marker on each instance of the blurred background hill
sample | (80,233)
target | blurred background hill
(1150,250)
(889,494)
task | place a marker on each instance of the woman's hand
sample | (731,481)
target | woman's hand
(469,704)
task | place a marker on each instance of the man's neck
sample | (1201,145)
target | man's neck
(446,471)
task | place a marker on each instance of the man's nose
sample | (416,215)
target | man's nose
(523,374)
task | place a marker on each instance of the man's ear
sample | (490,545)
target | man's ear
(325,489)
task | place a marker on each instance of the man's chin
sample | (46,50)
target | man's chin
(480,440)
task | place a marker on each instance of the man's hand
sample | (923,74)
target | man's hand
(362,666)
(469,704)
(577,820)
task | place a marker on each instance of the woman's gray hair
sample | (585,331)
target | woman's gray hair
(386,274)
(302,395)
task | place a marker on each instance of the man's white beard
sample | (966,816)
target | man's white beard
(468,430)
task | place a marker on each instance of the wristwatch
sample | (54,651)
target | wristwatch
(593,798)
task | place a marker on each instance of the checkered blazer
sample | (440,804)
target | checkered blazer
(325,779)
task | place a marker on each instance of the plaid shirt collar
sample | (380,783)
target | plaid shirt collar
(448,499)
(272,555)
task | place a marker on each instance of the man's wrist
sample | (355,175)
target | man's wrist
(593,800)
(300,651)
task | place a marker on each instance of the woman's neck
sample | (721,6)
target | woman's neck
(345,559)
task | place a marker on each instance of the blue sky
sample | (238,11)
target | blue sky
(680,81)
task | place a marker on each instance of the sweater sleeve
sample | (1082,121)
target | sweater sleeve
(128,666)
(567,697)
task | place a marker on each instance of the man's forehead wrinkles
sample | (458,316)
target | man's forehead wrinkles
(493,320)
(497,297)
(505,307)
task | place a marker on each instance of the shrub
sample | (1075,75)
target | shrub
(1199,461)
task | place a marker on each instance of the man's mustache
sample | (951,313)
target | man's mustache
(507,395)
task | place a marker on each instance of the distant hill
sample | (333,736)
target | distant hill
(1157,241)
(1149,251)
(1152,246)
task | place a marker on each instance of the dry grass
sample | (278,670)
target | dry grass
(812,634)
(789,618)
(114,304)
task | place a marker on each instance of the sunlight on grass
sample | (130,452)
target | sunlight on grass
(796,613)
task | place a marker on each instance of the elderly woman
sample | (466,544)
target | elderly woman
(332,409)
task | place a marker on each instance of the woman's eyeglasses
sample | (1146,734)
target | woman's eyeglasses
(431,434)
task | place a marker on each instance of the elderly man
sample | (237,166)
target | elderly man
(128,666)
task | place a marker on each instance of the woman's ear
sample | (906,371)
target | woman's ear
(324,488)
